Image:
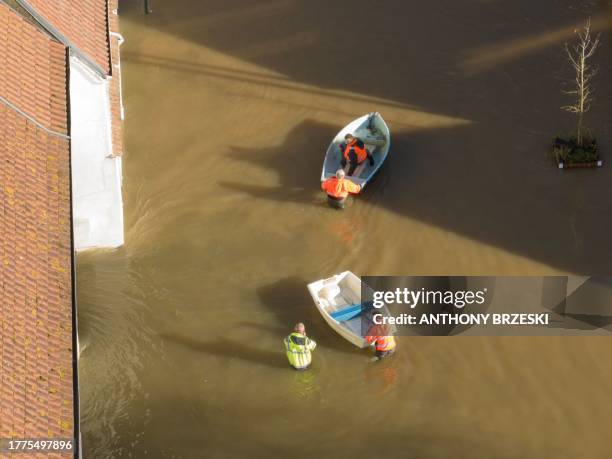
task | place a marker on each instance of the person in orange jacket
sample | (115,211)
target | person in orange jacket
(338,189)
(382,339)
(354,153)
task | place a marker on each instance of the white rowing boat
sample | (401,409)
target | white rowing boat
(339,300)
(372,130)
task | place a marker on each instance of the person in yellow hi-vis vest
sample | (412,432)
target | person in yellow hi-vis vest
(299,348)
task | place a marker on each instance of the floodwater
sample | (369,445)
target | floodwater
(230,106)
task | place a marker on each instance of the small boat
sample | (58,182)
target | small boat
(374,133)
(339,301)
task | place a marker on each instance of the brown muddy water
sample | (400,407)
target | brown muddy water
(230,107)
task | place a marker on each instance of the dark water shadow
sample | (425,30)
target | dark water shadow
(584,322)
(242,76)
(179,425)
(490,180)
(276,330)
(606,6)
(290,302)
(530,209)
(411,55)
(589,307)
(276,193)
(297,161)
(227,348)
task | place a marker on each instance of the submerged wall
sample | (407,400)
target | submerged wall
(96,173)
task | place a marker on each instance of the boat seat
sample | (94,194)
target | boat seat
(359,169)
(329,292)
(373,142)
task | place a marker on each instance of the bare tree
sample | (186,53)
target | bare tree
(579,55)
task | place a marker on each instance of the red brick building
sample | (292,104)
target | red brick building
(38,41)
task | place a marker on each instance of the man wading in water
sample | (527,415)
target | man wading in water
(299,347)
(338,189)
(383,341)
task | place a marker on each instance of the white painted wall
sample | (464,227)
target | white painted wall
(96,178)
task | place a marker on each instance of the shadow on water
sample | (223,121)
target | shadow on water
(227,348)
(275,193)
(525,208)
(289,300)
(409,50)
(297,161)
(242,76)
(489,180)
(589,307)
(290,303)
(275,330)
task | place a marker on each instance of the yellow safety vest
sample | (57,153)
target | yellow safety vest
(299,349)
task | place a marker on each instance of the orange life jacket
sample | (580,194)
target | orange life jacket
(382,342)
(339,188)
(361,153)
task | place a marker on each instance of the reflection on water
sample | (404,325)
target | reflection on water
(230,107)
(305,384)
(383,377)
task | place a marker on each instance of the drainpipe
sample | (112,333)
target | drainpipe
(120,42)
